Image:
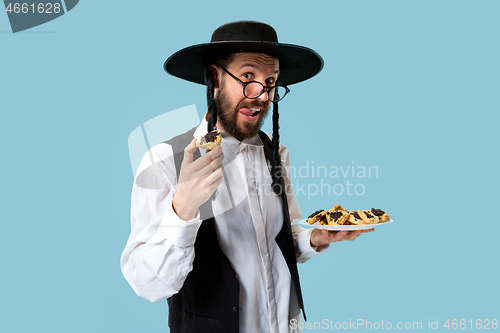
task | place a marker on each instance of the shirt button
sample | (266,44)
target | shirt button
(235,308)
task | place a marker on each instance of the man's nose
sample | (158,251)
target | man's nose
(264,96)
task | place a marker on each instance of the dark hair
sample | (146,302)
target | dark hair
(276,172)
(210,83)
(212,108)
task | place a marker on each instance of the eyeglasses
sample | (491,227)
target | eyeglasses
(253,89)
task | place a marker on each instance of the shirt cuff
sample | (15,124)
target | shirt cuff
(304,246)
(181,233)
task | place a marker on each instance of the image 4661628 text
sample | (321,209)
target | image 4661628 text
(24,15)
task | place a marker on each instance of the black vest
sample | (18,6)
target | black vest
(208,300)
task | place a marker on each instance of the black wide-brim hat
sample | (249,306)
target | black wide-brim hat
(297,63)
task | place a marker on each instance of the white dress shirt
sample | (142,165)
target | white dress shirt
(160,250)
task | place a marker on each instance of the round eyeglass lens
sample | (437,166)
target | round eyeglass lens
(277,93)
(254,90)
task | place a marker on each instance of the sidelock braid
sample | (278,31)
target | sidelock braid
(212,108)
(276,172)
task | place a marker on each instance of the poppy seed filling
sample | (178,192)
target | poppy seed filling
(210,137)
(316,212)
(377,212)
(335,215)
(355,214)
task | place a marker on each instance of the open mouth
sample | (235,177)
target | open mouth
(249,114)
(254,112)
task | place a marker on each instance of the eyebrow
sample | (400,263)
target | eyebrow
(256,67)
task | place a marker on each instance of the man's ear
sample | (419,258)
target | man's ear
(215,73)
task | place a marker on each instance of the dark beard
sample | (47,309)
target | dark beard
(228,118)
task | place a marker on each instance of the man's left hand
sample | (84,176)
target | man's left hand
(320,237)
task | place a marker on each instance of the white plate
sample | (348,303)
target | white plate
(341,227)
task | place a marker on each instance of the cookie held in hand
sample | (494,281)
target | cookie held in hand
(210,140)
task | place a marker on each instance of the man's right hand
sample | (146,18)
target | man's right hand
(197,180)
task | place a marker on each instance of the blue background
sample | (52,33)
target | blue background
(411,87)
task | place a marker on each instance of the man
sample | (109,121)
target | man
(211,232)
